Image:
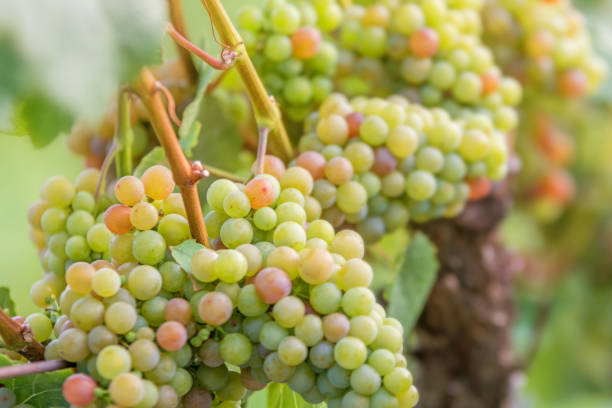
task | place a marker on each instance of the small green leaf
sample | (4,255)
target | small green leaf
(281,396)
(39,390)
(414,282)
(6,302)
(193,109)
(155,156)
(183,253)
(190,140)
(42,119)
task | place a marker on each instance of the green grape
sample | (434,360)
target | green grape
(420,185)
(145,355)
(338,376)
(40,325)
(79,222)
(351,197)
(77,248)
(214,220)
(120,317)
(290,211)
(164,371)
(87,313)
(350,353)
(288,311)
(292,351)
(271,335)
(302,380)
(324,192)
(322,355)
(253,256)
(265,218)
(213,378)
(298,90)
(112,361)
(230,266)
(216,193)
(354,400)
(290,234)
(182,382)
(58,191)
(398,381)
(235,232)
(154,310)
(174,228)
(120,248)
(127,389)
(251,18)
(236,204)
(172,275)
(249,303)
(320,229)
(389,338)
(277,48)
(149,247)
(100,337)
(358,301)
(284,19)
(236,348)
(144,282)
(325,298)
(365,380)
(309,330)
(99,238)
(382,360)
(429,159)
(276,370)
(393,184)
(106,282)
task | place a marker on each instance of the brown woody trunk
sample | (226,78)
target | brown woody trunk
(465,353)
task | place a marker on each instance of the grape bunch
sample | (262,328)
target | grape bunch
(288,41)
(378,163)
(66,227)
(282,298)
(428,50)
(545,44)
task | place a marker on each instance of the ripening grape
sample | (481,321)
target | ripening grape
(78,389)
(171,336)
(127,389)
(129,190)
(158,182)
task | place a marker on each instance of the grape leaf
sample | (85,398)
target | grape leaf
(183,253)
(39,390)
(63,60)
(415,279)
(189,131)
(6,302)
(281,396)
(155,156)
(190,140)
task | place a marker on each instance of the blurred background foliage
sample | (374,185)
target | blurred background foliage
(564,326)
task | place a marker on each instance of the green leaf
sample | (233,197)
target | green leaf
(190,140)
(189,132)
(155,156)
(65,60)
(414,281)
(6,302)
(281,396)
(39,390)
(183,253)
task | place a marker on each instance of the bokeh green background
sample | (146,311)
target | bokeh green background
(571,369)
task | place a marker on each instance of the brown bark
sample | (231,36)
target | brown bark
(465,353)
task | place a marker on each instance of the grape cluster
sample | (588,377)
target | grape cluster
(429,50)
(286,39)
(545,44)
(378,163)
(281,297)
(66,227)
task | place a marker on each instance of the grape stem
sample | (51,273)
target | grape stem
(261,148)
(20,338)
(101,184)
(266,111)
(227,55)
(186,175)
(176,17)
(219,173)
(123,134)
(38,367)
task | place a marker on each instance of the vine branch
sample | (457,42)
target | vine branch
(185,175)
(266,111)
(32,368)
(176,17)
(20,338)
